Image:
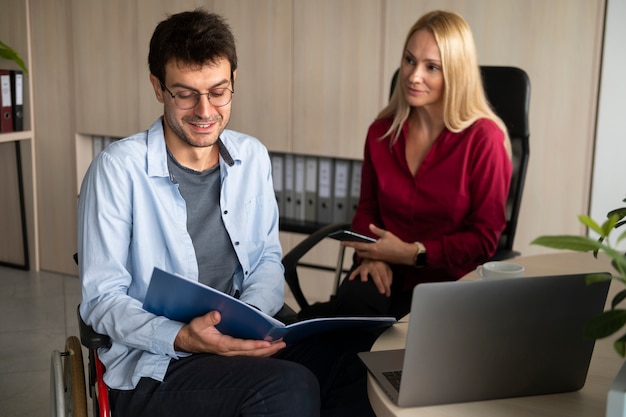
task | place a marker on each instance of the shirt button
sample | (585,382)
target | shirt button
(225,211)
(236,243)
(246,272)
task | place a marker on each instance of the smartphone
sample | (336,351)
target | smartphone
(350,236)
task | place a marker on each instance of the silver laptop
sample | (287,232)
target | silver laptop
(482,340)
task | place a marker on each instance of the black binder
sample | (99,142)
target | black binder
(17,94)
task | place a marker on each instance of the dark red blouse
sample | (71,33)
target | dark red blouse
(454,205)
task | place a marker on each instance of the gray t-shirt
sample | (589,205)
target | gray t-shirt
(217,260)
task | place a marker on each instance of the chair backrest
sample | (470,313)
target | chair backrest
(508,92)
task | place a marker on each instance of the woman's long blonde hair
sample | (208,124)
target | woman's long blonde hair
(464,99)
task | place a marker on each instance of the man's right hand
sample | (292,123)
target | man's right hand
(201,336)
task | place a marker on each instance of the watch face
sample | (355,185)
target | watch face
(420,261)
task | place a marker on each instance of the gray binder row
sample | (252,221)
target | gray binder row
(101,142)
(318,189)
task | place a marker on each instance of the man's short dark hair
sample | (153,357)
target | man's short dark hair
(194,38)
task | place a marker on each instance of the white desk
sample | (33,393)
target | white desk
(589,401)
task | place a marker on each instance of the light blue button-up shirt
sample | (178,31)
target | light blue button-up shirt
(132,218)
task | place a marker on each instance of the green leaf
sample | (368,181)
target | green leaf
(608,225)
(619,263)
(620,213)
(620,346)
(619,297)
(582,244)
(8,53)
(593,278)
(605,324)
(575,243)
(590,223)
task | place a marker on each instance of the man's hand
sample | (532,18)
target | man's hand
(201,336)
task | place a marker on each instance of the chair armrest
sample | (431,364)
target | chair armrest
(292,259)
(88,336)
(287,315)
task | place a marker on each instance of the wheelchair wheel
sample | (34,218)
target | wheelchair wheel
(67,383)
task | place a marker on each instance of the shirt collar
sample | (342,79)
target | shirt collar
(224,153)
(157,151)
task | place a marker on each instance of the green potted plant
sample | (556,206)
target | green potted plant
(10,54)
(613,319)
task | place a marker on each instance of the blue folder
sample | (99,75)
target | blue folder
(181,299)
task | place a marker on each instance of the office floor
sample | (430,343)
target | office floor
(37,313)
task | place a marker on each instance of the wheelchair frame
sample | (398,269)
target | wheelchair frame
(67,377)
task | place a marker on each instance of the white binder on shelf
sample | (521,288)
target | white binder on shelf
(355,187)
(289,183)
(97,144)
(300,170)
(277,160)
(310,189)
(341,188)
(325,190)
(106,141)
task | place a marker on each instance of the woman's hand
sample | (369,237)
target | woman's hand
(379,271)
(388,248)
(201,336)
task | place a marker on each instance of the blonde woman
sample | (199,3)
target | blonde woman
(435,176)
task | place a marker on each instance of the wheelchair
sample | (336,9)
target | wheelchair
(67,377)
(68,390)
(67,381)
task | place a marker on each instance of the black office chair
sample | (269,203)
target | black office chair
(508,92)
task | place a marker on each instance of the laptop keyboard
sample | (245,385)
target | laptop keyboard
(394,378)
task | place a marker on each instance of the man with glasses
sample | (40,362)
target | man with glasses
(190,197)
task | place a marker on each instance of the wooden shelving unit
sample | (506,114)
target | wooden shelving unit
(18,203)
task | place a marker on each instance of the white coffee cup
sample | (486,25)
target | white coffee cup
(500,269)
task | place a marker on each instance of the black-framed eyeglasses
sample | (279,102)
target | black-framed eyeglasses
(188,99)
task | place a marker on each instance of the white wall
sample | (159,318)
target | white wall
(609,174)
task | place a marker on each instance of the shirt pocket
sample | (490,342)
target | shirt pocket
(258,218)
